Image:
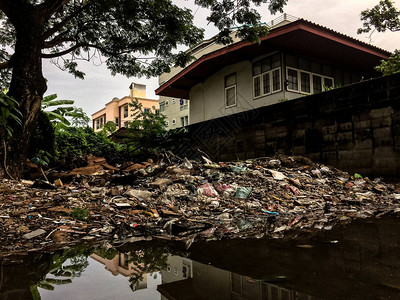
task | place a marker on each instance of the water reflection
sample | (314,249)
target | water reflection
(358,262)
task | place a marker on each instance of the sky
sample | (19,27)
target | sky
(100,87)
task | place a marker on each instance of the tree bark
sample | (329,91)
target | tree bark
(27,85)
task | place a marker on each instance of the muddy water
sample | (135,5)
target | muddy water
(358,261)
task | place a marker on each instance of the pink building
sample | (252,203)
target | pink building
(119,111)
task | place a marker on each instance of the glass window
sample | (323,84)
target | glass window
(266,64)
(173,101)
(305,82)
(328,82)
(257,86)
(292,80)
(257,68)
(173,121)
(276,80)
(166,103)
(162,106)
(117,121)
(230,96)
(266,83)
(275,61)
(125,111)
(317,85)
(146,110)
(230,90)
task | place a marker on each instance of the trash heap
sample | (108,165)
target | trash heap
(178,199)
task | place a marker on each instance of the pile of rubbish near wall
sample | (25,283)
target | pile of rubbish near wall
(184,200)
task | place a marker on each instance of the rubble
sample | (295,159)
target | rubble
(188,201)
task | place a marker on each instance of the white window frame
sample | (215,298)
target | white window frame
(299,71)
(166,123)
(271,85)
(226,89)
(162,106)
(173,101)
(173,121)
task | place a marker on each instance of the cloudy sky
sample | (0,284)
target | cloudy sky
(99,86)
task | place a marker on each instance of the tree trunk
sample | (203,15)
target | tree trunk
(27,85)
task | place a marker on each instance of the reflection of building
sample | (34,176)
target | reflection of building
(120,265)
(208,282)
(118,110)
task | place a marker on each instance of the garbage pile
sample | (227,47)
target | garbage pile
(178,199)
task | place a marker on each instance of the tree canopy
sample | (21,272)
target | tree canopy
(383,16)
(132,37)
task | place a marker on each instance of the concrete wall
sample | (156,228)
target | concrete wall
(355,128)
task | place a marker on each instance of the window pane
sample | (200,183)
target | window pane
(317,85)
(230,94)
(305,82)
(257,68)
(266,64)
(328,82)
(230,80)
(292,78)
(162,106)
(276,61)
(257,86)
(266,84)
(276,80)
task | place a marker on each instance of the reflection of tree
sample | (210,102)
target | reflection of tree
(77,263)
(146,260)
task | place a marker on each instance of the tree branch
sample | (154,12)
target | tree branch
(52,6)
(58,54)
(5,65)
(60,25)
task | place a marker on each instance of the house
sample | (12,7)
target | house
(297,58)
(118,110)
(176,111)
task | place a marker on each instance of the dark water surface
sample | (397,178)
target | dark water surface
(357,261)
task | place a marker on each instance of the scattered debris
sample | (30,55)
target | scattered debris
(187,200)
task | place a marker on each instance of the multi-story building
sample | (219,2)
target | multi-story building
(119,111)
(176,111)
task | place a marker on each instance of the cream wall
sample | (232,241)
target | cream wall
(173,111)
(208,101)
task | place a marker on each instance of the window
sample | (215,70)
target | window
(166,123)
(317,84)
(230,90)
(146,110)
(166,103)
(292,80)
(98,124)
(162,106)
(126,124)
(328,82)
(125,111)
(305,80)
(267,76)
(117,121)
(307,83)
(173,101)
(184,121)
(173,121)
(183,104)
